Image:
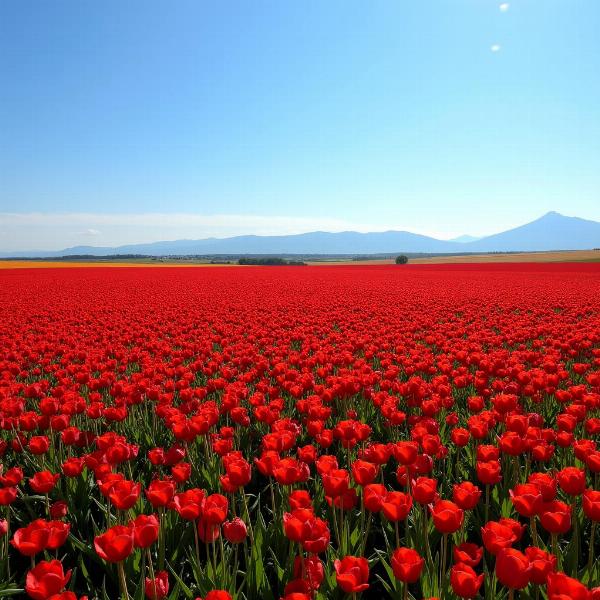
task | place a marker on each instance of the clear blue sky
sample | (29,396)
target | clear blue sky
(308,114)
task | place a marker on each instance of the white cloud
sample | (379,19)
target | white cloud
(504,7)
(496,48)
(91,232)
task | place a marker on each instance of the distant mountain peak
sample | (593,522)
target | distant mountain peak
(551,231)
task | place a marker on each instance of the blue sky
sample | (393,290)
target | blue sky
(144,120)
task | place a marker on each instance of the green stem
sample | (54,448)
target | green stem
(575,536)
(6,543)
(487,503)
(591,557)
(444,552)
(223,561)
(426,534)
(272,497)
(161,540)
(122,580)
(143,572)
(197,544)
(366,535)
(534,531)
(248,521)
(214,558)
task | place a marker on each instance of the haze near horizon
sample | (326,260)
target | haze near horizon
(127,123)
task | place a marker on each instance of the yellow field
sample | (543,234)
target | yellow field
(565,256)
(61,264)
(376,261)
(544,257)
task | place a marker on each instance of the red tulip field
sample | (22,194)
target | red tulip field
(300,433)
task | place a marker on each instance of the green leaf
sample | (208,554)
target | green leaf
(185,588)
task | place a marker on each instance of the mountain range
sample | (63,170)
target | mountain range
(552,231)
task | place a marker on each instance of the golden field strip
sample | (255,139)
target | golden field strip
(64,264)
(546,257)
(521,257)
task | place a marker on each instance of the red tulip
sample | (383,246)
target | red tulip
(116,544)
(208,532)
(145,530)
(218,595)
(374,496)
(396,506)
(157,588)
(460,436)
(406,452)
(447,516)
(288,471)
(59,509)
(591,504)
(235,531)
(293,523)
(407,565)
(188,504)
(592,461)
(300,499)
(160,492)
(364,472)
(489,472)
(352,574)
(571,480)
(512,568)
(424,490)
(12,477)
(7,495)
(124,494)
(39,444)
(464,581)
(181,472)
(542,564)
(46,579)
(267,462)
(527,499)
(325,463)
(315,537)
(309,570)
(215,509)
(517,528)
(496,537)
(43,481)
(58,531)
(31,539)
(468,554)
(307,454)
(466,495)
(562,587)
(555,517)
(73,467)
(336,482)
(545,483)
(238,470)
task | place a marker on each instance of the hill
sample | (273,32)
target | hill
(552,231)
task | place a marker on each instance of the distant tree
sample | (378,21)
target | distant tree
(401,260)
(269,261)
